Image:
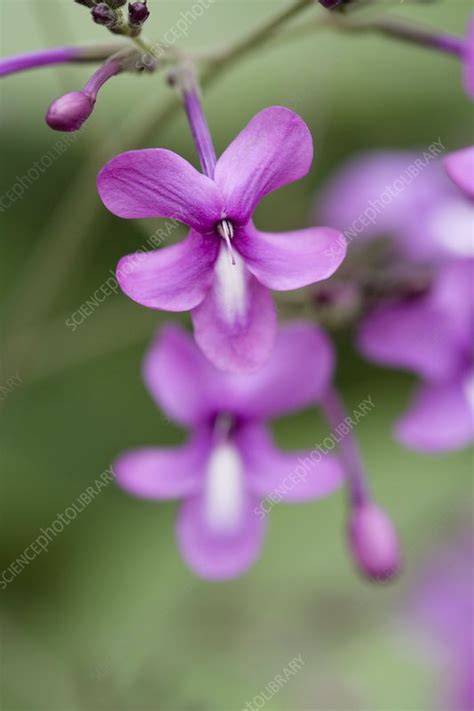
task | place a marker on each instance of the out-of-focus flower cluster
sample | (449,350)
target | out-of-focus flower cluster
(412,265)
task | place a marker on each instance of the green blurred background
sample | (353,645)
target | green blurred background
(110,618)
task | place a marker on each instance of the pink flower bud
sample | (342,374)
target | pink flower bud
(69,112)
(373,542)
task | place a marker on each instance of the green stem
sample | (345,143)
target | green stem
(393,27)
(100,52)
(388,26)
(259,36)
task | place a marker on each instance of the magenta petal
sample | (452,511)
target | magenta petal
(235,325)
(190,389)
(164,473)
(452,294)
(286,476)
(297,373)
(159,183)
(441,418)
(274,149)
(414,335)
(291,260)
(460,168)
(179,377)
(215,555)
(175,278)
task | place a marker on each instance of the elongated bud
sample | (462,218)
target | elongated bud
(374,542)
(69,112)
(372,538)
(86,3)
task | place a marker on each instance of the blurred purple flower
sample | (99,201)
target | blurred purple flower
(404,195)
(227,291)
(460,168)
(444,607)
(410,199)
(229,464)
(431,335)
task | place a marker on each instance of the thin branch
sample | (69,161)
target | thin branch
(389,26)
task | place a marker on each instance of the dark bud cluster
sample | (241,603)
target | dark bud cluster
(103,14)
(334,4)
(138,14)
(109,14)
(113,4)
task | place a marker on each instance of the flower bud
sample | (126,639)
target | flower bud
(329,4)
(69,112)
(373,542)
(86,3)
(103,14)
(138,13)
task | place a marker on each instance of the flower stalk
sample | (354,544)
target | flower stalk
(69,112)
(450,44)
(357,484)
(57,55)
(197,121)
(372,537)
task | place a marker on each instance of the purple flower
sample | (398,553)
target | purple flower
(223,270)
(431,335)
(229,463)
(444,608)
(406,196)
(410,198)
(460,168)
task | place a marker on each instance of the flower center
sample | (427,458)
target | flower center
(224,489)
(225,229)
(231,288)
